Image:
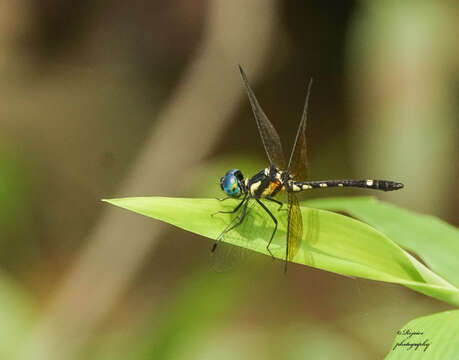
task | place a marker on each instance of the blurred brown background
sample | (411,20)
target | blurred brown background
(111,99)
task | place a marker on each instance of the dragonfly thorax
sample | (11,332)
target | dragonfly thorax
(268,182)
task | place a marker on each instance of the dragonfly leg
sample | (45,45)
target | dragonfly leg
(231,227)
(231,211)
(277,202)
(286,258)
(275,226)
(223,199)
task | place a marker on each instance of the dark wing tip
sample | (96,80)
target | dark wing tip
(311,81)
(241,70)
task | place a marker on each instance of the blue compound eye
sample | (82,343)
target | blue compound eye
(230,183)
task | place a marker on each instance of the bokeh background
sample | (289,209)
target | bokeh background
(110,99)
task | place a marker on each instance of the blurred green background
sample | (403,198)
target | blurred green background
(111,99)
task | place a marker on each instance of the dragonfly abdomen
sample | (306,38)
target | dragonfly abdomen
(384,185)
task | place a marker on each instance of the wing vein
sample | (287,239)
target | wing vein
(268,133)
(297,164)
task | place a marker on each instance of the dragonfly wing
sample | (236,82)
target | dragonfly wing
(294,226)
(225,256)
(313,228)
(269,136)
(298,163)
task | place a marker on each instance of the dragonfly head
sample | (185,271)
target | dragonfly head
(232,183)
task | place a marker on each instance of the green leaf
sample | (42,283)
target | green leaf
(331,241)
(16,316)
(435,241)
(437,337)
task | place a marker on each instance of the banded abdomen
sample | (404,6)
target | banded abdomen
(384,185)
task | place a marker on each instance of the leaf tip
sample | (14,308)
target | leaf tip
(109,201)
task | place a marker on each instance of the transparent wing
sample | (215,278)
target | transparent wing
(294,226)
(298,163)
(313,228)
(269,136)
(312,235)
(227,256)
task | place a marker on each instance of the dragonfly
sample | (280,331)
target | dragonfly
(281,177)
